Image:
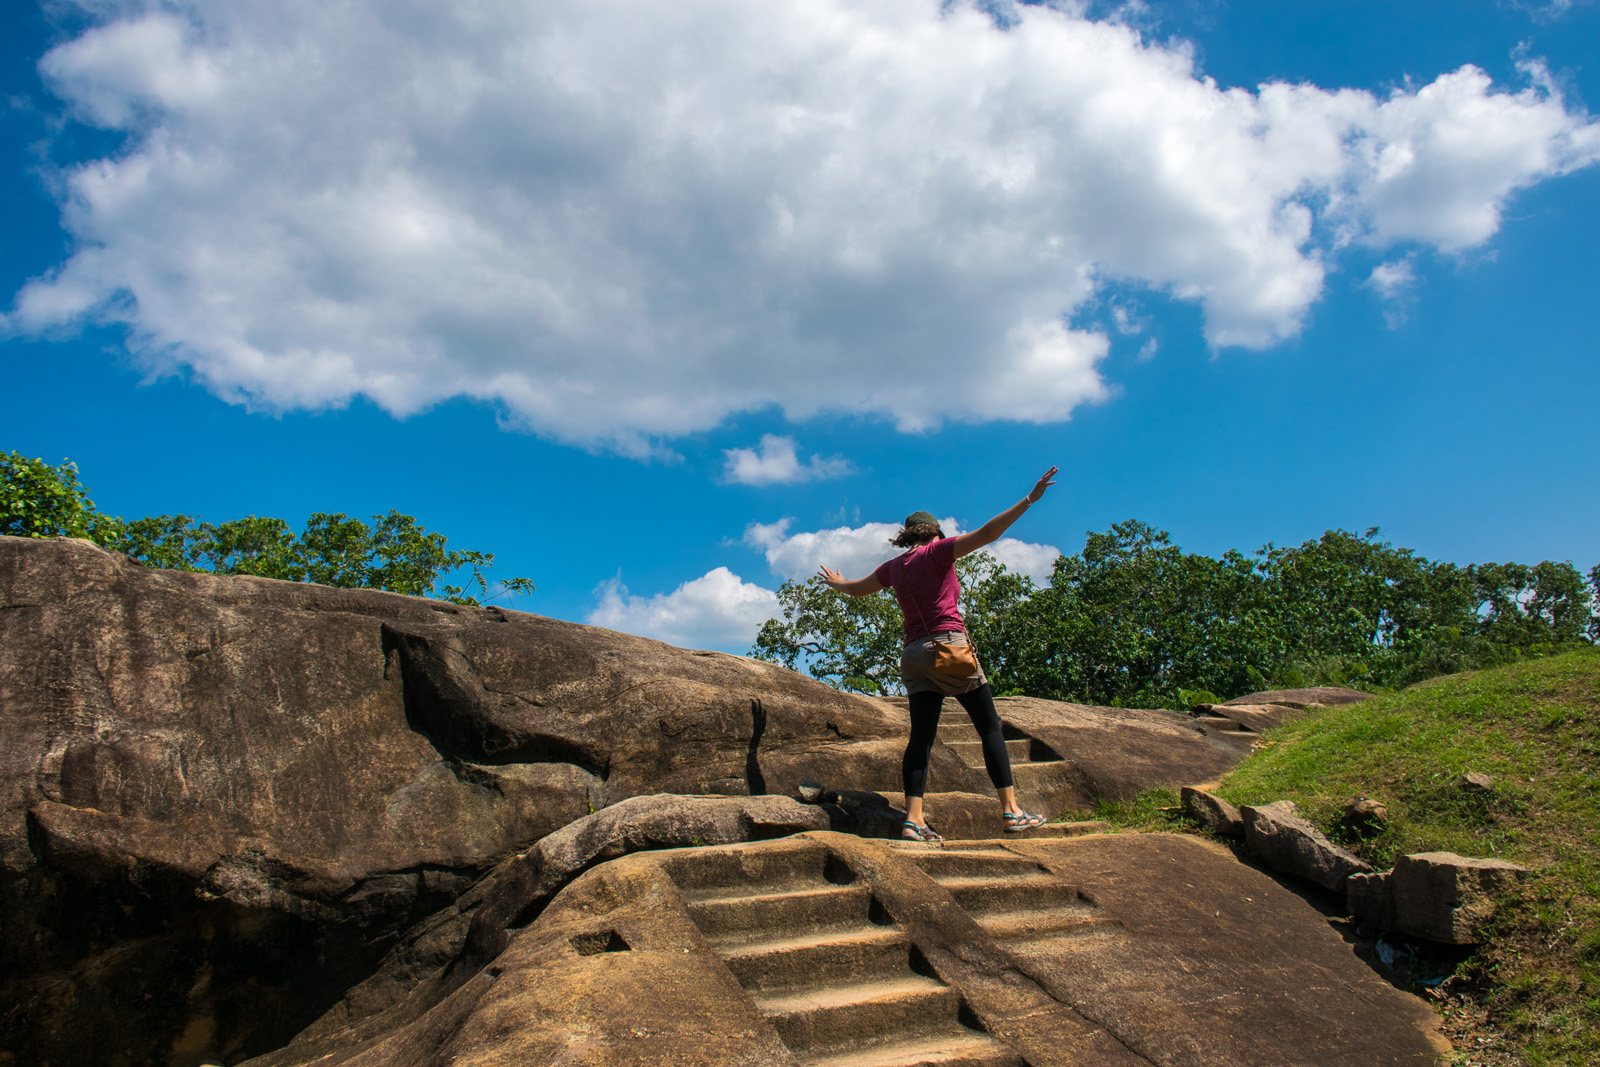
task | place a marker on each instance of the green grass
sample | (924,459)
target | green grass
(1533,988)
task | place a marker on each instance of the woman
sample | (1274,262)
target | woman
(924,582)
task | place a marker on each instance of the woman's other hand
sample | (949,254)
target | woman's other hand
(1045,482)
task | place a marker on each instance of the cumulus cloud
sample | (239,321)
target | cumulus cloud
(717,610)
(624,221)
(857,550)
(775,462)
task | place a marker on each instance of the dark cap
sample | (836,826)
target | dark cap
(920,518)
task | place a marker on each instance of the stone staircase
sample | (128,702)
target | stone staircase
(1010,896)
(1034,764)
(823,962)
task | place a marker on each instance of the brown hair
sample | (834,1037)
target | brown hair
(920,534)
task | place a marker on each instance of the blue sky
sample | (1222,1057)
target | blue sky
(662,304)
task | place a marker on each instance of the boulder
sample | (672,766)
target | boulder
(1437,896)
(1212,812)
(1148,950)
(1364,816)
(1314,696)
(1286,842)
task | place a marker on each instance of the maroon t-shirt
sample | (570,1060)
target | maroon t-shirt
(924,582)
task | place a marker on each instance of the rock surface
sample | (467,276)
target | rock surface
(1213,813)
(224,800)
(1103,951)
(1256,718)
(1437,896)
(1328,695)
(1110,753)
(1285,842)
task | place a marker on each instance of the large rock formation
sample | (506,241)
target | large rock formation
(224,800)
(1102,951)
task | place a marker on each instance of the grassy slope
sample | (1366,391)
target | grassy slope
(1533,990)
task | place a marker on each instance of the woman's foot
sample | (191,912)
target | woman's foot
(1018,821)
(915,831)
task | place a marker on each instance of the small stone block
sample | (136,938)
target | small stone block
(1212,812)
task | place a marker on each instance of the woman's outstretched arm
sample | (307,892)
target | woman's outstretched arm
(990,532)
(860,587)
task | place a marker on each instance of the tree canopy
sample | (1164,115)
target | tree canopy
(1133,619)
(394,552)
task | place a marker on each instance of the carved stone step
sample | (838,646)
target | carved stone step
(837,1018)
(967,1049)
(972,862)
(736,871)
(983,895)
(745,918)
(971,752)
(854,955)
(1041,926)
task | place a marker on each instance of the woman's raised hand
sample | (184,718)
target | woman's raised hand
(1045,482)
(831,578)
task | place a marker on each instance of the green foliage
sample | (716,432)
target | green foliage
(395,552)
(38,500)
(1133,620)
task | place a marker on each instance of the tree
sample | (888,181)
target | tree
(40,500)
(1132,619)
(395,553)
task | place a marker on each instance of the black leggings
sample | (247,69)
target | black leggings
(925,708)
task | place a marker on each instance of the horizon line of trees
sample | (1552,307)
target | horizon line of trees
(1133,620)
(394,552)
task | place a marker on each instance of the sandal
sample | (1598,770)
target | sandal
(1016,821)
(911,831)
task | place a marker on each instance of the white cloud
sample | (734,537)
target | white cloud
(1393,281)
(717,610)
(1025,557)
(624,220)
(775,462)
(856,551)
(1395,277)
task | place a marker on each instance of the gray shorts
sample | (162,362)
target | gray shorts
(916,667)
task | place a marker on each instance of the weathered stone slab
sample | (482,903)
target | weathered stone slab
(1286,842)
(1254,717)
(1212,812)
(1438,896)
(1328,695)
